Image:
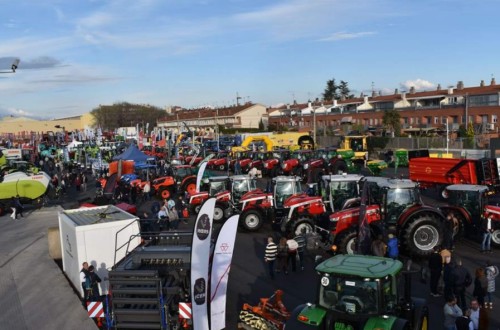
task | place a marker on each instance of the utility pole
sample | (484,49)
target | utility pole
(238,98)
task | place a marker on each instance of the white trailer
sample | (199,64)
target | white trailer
(90,234)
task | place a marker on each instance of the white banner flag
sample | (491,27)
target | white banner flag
(201,170)
(200,256)
(221,264)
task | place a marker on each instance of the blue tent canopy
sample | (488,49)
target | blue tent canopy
(132,153)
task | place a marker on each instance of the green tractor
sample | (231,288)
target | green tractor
(358,292)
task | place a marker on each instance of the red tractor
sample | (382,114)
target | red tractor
(227,191)
(219,162)
(319,164)
(257,160)
(183,180)
(287,206)
(294,165)
(272,166)
(243,157)
(391,204)
(468,205)
(341,191)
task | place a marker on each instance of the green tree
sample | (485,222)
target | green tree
(331,89)
(344,90)
(261,125)
(110,117)
(391,120)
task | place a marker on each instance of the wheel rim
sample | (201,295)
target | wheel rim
(426,237)
(191,188)
(304,225)
(221,167)
(165,194)
(495,237)
(252,220)
(218,214)
(350,247)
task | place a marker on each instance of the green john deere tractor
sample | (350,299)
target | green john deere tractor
(359,292)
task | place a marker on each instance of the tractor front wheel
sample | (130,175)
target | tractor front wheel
(422,234)
(165,193)
(251,220)
(347,241)
(218,213)
(495,236)
(222,167)
(302,224)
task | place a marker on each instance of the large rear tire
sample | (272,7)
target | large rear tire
(422,234)
(251,220)
(347,241)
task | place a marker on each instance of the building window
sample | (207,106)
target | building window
(494,119)
(383,105)
(454,119)
(483,100)
(436,120)
(463,120)
(443,120)
(452,100)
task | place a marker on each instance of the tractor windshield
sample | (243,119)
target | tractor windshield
(349,295)
(285,189)
(240,187)
(340,191)
(356,144)
(397,200)
(216,187)
(470,200)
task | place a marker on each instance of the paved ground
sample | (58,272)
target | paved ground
(34,292)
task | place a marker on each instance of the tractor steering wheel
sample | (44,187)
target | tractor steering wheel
(352,300)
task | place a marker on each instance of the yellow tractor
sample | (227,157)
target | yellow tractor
(356,143)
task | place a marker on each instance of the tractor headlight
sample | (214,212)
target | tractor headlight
(306,166)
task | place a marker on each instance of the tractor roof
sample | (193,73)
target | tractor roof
(391,183)
(283,178)
(240,177)
(342,177)
(467,187)
(360,265)
(218,178)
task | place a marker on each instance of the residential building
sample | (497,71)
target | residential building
(419,111)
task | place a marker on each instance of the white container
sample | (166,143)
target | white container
(90,234)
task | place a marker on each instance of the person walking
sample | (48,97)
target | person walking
(237,166)
(379,248)
(491,274)
(94,294)
(13,215)
(78,182)
(448,232)
(270,256)
(163,219)
(84,182)
(301,246)
(283,256)
(292,253)
(19,207)
(461,281)
(85,281)
(487,229)
(173,217)
(451,313)
(480,285)
(435,267)
(146,190)
(448,278)
(392,246)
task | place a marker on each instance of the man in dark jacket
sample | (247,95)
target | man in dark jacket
(435,267)
(461,280)
(94,294)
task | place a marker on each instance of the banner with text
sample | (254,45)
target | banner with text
(200,256)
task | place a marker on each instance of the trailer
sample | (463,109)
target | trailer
(441,172)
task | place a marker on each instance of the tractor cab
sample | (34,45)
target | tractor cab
(240,185)
(182,171)
(393,195)
(284,187)
(472,198)
(362,292)
(341,191)
(217,184)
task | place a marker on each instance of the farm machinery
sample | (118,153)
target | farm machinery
(269,314)
(468,206)
(227,190)
(359,292)
(391,204)
(182,180)
(150,283)
(284,203)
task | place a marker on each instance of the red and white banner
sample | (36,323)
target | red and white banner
(95,309)
(200,255)
(221,264)
(185,310)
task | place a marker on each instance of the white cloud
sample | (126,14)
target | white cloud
(419,84)
(347,35)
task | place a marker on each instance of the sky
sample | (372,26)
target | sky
(77,55)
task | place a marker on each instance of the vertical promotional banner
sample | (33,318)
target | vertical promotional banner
(201,170)
(221,264)
(200,255)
